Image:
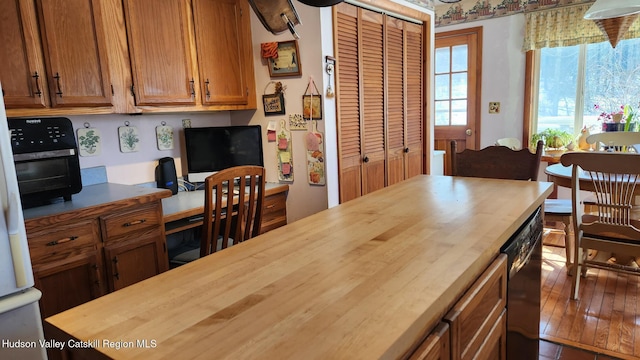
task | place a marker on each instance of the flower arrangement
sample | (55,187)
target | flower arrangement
(609,116)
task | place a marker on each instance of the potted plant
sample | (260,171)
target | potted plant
(554,140)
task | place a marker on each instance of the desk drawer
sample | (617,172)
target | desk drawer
(139,218)
(274,213)
(63,241)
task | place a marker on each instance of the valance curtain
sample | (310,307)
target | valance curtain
(565,26)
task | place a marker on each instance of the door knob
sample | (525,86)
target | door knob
(468,132)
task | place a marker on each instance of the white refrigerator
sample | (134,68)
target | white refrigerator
(20,324)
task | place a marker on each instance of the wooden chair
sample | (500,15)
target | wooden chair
(512,143)
(619,140)
(497,162)
(225,222)
(501,162)
(614,227)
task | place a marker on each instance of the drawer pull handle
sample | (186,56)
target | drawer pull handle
(271,206)
(61,241)
(137,222)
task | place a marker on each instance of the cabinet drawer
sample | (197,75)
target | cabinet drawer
(63,241)
(274,213)
(474,316)
(138,218)
(436,346)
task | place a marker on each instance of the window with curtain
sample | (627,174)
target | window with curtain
(578,74)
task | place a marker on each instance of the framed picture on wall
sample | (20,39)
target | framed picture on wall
(273,104)
(288,61)
(312,107)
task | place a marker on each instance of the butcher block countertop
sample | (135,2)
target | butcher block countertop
(364,280)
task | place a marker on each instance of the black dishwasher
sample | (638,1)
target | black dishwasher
(524,266)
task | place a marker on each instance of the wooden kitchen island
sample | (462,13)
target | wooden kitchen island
(368,279)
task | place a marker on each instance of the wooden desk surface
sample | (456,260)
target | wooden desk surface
(363,280)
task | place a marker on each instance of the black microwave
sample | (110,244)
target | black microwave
(45,154)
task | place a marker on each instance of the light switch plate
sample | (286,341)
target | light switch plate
(186,123)
(494,107)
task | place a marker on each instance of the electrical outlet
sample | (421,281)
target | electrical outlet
(494,108)
(186,123)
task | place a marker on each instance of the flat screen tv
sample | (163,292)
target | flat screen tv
(211,149)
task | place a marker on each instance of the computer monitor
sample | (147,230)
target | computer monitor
(211,149)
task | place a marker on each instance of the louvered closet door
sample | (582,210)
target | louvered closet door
(372,101)
(348,104)
(395,91)
(415,100)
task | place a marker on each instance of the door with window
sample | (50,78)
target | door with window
(458,64)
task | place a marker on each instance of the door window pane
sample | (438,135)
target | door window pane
(442,60)
(459,112)
(460,58)
(442,87)
(442,113)
(459,86)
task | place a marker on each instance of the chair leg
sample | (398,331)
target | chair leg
(568,246)
(575,286)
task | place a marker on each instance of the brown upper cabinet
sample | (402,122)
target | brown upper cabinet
(70,57)
(69,45)
(165,35)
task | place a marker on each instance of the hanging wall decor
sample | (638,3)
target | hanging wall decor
(312,102)
(287,62)
(274,103)
(129,138)
(284,154)
(89,141)
(315,155)
(164,136)
(296,122)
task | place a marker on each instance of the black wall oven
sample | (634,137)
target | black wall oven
(45,154)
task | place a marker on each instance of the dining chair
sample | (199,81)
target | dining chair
(497,162)
(233,205)
(615,140)
(613,227)
(512,143)
(501,162)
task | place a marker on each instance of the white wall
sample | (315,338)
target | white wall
(503,67)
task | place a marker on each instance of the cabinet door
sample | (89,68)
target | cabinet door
(129,262)
(75,52)
(221,48)
(395,110)
(160,50)
(69,283)
(22,72)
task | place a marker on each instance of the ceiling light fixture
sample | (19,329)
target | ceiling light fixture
(321,3)
(614,17)
(449,1)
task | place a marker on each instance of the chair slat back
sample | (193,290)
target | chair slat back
(614,178)
(497,162)
(619,140)
(236,212)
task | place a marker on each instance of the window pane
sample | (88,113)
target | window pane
(442,87)
(459,112)
(459,86)
(442,60)
(557,92)
(459,58)
(442,113)
(613,79)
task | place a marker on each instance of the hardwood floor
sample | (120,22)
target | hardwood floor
(606,318)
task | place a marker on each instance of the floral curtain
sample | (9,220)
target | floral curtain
(565,26)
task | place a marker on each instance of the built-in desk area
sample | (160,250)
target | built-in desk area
(184,210)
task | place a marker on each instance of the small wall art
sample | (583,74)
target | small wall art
(129,138)
(312,102)
(287,63)
(296,122)
(274,103)
(164,136)
(89,141)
